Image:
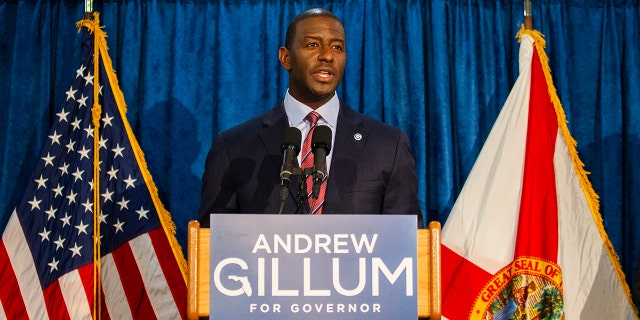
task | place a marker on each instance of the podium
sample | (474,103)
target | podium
(428,271)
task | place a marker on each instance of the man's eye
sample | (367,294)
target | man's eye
(312,44)
(339,48)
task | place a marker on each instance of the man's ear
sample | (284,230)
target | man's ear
(283,56)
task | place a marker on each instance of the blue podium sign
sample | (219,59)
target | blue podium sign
(313,267)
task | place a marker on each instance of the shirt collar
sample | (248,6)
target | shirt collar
(297,111)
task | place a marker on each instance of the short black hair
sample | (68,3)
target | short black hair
(310,13)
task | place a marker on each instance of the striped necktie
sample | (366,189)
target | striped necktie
(307,162)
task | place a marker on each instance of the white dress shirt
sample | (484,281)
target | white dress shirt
(297,111)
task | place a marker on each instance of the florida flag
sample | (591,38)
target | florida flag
(525,239)
(90,238)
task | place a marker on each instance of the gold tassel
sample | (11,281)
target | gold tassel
(164,216)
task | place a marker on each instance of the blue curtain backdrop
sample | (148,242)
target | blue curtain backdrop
(439,69)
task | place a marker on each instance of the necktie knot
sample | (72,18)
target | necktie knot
(312,118)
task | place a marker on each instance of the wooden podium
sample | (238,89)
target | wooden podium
(429,274)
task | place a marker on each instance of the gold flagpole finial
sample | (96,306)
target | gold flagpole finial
(88,9)
(528,20)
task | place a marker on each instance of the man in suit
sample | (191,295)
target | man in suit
(370,166)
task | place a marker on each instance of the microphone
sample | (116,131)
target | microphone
(321,146)
(291,139)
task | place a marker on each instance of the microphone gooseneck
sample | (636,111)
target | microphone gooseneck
(291,140)
(321,146)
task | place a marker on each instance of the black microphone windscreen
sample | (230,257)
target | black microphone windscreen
(322,137)
(292,137)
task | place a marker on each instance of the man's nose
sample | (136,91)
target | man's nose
(326,54)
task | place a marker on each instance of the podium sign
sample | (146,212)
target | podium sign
(313,267)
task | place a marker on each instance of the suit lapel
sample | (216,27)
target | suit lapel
(349,143)
(274,123)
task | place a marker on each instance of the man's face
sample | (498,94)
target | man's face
(315,60)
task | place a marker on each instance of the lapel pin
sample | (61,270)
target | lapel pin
(357,136)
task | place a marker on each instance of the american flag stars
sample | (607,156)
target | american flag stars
(62,203)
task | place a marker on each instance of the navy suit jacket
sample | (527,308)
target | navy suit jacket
(371,175)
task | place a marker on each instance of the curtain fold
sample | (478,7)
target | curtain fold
(440,70)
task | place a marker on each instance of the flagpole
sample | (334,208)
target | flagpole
(96,110)
(88,9)
(528,20)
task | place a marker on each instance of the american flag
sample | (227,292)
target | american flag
(47,248)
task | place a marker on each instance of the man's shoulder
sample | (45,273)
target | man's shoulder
(373,125)
(256,124)
(252,124)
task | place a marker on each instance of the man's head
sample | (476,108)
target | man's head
(314,54)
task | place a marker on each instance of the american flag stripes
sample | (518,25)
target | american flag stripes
(47,248)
